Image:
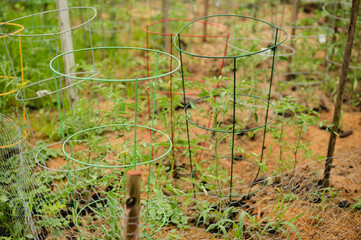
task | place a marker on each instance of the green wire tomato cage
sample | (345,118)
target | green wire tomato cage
(237,30)
(113,145)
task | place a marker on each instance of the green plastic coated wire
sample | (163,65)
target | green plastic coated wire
(135,123)
(63,137)
(151,137)
(269,97)
(99,200)
(68,156)
(178,45)
(230,131)
(185,108)
(114,80)
(57,72)
(234,124)
(115,166)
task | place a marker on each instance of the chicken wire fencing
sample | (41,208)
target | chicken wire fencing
(291,205)
(37,203)
(15,181)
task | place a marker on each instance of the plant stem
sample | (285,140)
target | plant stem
(296,150)
(216,152)
(280,143)
(280,138)
(102,118)
(87,172)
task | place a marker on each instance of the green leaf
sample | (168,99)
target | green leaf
(292,226)
(255,116)
(174,190)
(4,198)
(355,83)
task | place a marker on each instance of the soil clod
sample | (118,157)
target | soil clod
(345,134)
(344,204)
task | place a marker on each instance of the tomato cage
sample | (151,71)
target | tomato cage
(43,36)
(8,78)
(113,136)
(32,202)
(230,105)
(303,75)
(338,12)
(161,33)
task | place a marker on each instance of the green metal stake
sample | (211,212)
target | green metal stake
(266,118)
(234,124)
(135,123)
(63,138)
(184,99)
(152,133)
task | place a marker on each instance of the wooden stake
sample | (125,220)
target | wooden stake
(67,45)
(132,205)
(341,89)
(129,10)
(296,7)
(206,10)
(166,28)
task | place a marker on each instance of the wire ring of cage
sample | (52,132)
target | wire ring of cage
(116,166)
(60,170)
(34,40)
(293,51)
(232,195)
(13,33)
(329,31)
(324,8)
(230,131)
(99,200)
(340,63)
(144,28)
(225,57)
(311,83)
(49,93)
(94,27)
(51,11)
(114,80)
(173,93)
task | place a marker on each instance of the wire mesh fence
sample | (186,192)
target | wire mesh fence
(292,205)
